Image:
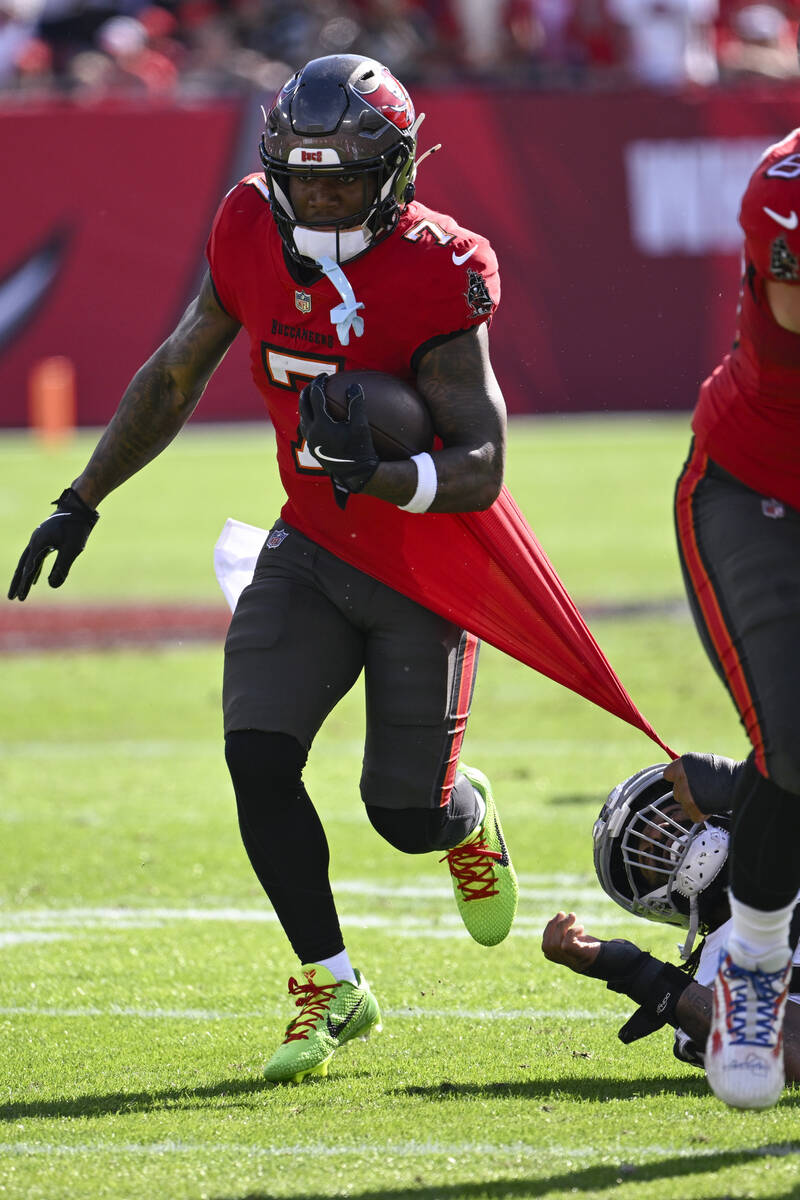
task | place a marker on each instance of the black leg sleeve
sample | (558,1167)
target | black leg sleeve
(765,842)
(284,838)
(420,830)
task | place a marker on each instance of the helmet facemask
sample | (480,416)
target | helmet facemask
(653,861)
(352,234)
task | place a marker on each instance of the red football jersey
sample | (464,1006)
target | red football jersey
(429,278)
(748,414)
(484,571)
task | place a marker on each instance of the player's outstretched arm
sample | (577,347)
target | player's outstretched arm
(642,977)
(158,401)
(161,396)
(457,383)
(565,941)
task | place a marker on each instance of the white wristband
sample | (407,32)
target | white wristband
(427,483)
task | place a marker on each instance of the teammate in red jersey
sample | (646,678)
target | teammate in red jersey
(329,264)
(737,510)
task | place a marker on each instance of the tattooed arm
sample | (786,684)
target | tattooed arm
(160,398)
(459,387)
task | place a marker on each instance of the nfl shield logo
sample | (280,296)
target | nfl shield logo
(302,302)
(773,508)
(276,537)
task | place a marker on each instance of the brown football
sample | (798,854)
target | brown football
(398,416)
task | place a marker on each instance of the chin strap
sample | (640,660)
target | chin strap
(344,316)
(694,924)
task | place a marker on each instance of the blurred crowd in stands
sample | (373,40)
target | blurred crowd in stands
(184,49)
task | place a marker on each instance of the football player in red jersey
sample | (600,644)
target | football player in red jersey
(737,510)
(329,264)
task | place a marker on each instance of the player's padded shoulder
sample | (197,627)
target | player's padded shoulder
(240,212)
(459,267)
(770,212)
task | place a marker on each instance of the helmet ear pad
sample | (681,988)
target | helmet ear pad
(408,194)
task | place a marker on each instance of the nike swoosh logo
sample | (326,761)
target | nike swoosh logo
(336,1027)
(458,259)
(504,861)
(318,454)
(789,222)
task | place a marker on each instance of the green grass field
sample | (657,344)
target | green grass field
(143,975)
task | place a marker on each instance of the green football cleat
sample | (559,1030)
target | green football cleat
(484,881)
(331,1013)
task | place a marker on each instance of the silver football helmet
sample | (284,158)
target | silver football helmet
(653,861)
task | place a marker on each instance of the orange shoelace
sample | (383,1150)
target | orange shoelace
(312,1000)
(471,865)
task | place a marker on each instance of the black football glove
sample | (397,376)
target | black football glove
(342,448)
(65,531)
(712,780)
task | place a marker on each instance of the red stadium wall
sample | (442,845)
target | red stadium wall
(613,216)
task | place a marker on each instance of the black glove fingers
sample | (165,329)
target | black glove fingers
(26,574)
(36,566)
(343,448)
(311,404)
(305,411)
(64,560)
(65,531)
(319,398)
(36,559)
(15,591)
(356,406)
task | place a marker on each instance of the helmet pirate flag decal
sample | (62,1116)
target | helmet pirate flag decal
(477,294)
(389,97)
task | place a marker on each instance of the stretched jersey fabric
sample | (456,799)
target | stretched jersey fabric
(748,413)
(430,279)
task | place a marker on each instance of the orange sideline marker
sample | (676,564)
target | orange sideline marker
(51,398)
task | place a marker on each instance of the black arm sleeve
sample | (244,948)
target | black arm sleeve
(712,779)
(656,986)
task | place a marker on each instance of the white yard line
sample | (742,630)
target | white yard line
(460,1152)
(161,747)
(36,927)
(25,937)
(210,1015)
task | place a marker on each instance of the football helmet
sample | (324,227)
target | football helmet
(348,116)
(653,861)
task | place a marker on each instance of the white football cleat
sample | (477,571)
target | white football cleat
(744,1052)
